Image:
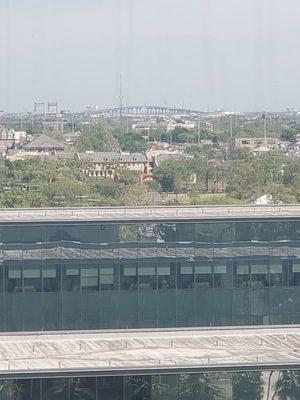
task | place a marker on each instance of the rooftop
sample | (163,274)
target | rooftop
(168,157)
(104,157)
(147,213)
(44,142)
(148,351)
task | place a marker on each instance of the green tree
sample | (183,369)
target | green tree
(245,179)
(287,386)
(200,387)
(247,386)
(173,175)
(106,187)
(65,192)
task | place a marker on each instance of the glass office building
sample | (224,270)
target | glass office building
(250,385)
(149,273)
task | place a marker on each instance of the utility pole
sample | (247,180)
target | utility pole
(148,117)
(73,122)
(199,128)
(265,128)
(230,133)
(121,98)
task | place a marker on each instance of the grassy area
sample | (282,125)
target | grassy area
(215,199)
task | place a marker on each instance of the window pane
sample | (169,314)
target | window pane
(107,279)
(296,268)
(71,278)
(130,271)
(147,271)
(259,269)
(72,271)
(51,279)
(49,273)
(203,269)
(220,269)
(241,274)
(31,273)
(242,269)
(186,270)
(85,272)
(14,273)
(163,271)
(89,281)
(276,269)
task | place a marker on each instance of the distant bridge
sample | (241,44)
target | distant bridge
(149,110)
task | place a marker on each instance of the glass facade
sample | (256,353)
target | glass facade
(255,385)
(81,275)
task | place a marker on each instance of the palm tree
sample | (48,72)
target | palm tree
(200,387)
(247,386)
(287,386)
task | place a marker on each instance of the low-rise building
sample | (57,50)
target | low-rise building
(44,144)
(10,139)
(160,158)
(172,125)
(104,162)
(251,143)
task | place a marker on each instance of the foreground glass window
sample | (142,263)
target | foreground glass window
(222,275)
(278,273)
(51,279)
(185,275)
(129,276)
(203,275)
(107,277)
(204,233)
(185,232)
(236,385)
(166,273)
(164,277)
(71,278)
(241,274)
(89,278)
(147,276)
(32,279)
(294,274)
(259,274)
(13,279)
(129,233)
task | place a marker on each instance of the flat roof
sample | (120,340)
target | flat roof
(148,351)
(115,214)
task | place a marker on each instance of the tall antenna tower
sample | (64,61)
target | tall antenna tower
(121,98)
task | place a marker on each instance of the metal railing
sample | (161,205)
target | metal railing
(150,212)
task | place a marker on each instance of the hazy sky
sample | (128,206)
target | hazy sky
(208,54)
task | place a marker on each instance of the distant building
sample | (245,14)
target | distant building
(160,158)
(140,126)
(172,125)
(251,143)
(10,139)
(44,144)
(71,138)
(137,162)
(261,150)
